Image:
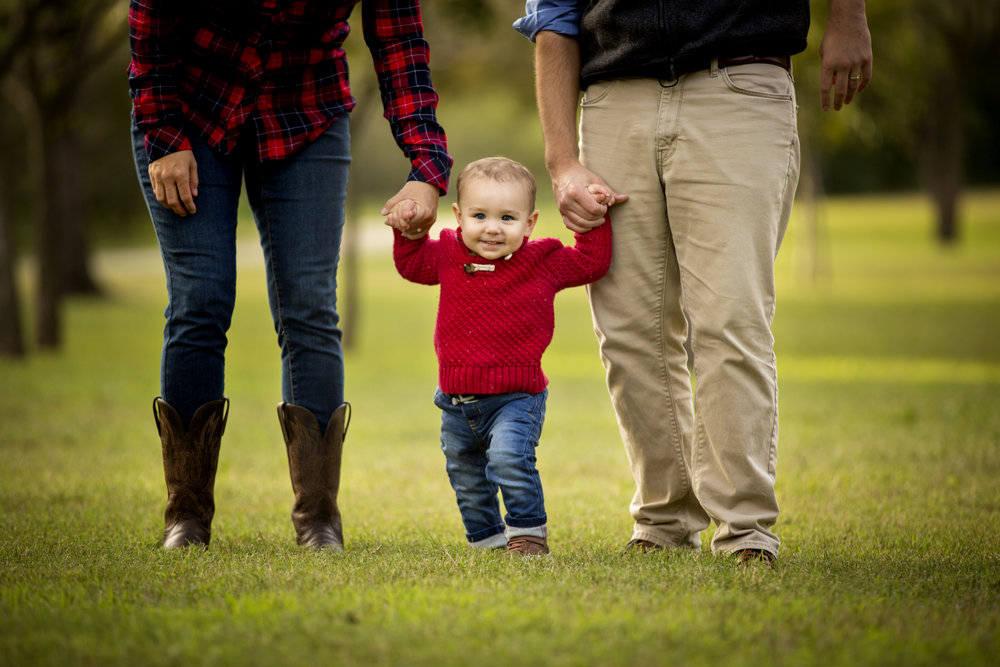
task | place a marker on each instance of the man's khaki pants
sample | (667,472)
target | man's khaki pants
(710,163)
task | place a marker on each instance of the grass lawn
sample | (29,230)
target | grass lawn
(889,482)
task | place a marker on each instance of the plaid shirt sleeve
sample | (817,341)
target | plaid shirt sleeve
(394,34)
(152,76)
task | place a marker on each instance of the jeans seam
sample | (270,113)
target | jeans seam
(165,367)
(279,311)
(678,444)
(660,343)
(772,454)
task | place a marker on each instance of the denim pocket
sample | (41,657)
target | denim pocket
(538,406)
(760,80)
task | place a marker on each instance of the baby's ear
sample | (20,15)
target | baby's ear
(457,211)
(532,219)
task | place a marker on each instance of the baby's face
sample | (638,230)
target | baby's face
(495,217)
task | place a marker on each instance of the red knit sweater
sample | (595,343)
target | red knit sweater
(493,324)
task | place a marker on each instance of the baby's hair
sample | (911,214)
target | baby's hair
(499,169)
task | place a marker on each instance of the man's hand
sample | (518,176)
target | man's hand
(845,53)
(175,182)
(583,197)
(413,209)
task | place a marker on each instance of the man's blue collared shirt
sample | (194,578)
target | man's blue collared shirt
(561,16)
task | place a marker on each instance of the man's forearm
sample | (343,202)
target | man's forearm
(853,9)
(557,87)
(582,196)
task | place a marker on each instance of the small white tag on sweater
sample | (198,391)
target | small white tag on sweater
(471,267)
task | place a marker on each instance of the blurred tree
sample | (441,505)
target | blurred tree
(963,36)
(51,62)
(18,26)
(932,71)
(11,335)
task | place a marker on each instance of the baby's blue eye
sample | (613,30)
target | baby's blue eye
(506,218)
(480,216)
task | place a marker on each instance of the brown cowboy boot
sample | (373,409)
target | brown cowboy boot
(314,465)
(190,459)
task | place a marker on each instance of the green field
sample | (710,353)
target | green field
(889,482)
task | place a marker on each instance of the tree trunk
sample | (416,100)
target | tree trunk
(65,206)
(48,298)
(942,154)
(11,336)
(23,99)
(810,198)
(366,92)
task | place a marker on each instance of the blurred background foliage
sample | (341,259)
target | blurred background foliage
(67,181)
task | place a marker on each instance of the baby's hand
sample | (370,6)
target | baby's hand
(402,215)
(601,195)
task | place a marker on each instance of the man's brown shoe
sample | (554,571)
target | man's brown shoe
(528,545)
(746,557)
(643,546)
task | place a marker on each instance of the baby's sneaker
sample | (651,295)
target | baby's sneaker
(528,545)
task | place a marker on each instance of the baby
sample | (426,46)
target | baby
(495,319)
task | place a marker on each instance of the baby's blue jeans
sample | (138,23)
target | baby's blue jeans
(489,443)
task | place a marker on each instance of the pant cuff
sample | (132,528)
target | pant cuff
(688,541)
(496,541)
(535,531)
(729,549)
(485,533)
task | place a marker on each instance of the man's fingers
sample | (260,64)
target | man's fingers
(825,83)
(852,87)
(581,224)
(580,203)
(834,88)
(841,90)
(866,77)
(574,226)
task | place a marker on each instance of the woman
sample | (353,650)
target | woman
(230,92)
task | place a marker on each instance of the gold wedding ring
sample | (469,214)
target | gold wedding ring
(854,78)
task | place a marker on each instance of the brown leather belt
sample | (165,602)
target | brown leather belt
(785,62)
(781,61)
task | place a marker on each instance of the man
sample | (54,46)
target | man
(690,110)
